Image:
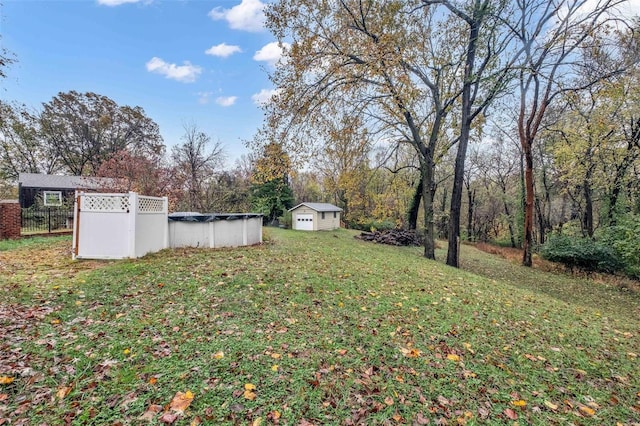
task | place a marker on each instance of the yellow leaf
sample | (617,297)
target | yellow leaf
(519,403)
(249,387)
(453,357)
(218,355)
(126,351)
(78,303)
(55,321)
(6,380)
(181,401)
(586,411)
(275,414)
(249,395)
(274,367)
(276,356)
(63,391)
(550,405)
(257,422)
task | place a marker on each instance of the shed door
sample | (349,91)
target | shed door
(304,222)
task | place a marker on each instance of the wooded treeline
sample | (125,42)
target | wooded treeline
(481,120)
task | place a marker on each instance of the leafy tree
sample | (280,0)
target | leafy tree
(21,145)
(271,194)
(549,43)
(83,130)
(130,172)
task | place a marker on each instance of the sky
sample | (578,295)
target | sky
(202,62)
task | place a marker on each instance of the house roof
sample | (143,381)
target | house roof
(36,180)
(319,207)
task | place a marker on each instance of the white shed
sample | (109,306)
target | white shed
(315,217)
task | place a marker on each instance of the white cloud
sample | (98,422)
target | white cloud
(116,2)
(264,96)
(248,15)
(223,50)
(186,73)
(226,101)
(271,53)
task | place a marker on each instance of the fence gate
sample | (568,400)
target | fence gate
(45,220)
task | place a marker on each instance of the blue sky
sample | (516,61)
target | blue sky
(183,61)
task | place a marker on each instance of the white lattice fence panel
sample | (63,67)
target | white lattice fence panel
(105,203)
(150,205)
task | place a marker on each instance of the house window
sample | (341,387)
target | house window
(334,215)
(322,215)
(52,198)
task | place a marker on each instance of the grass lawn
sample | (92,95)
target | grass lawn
(309,328)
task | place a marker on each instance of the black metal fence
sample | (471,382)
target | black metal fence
(46,220)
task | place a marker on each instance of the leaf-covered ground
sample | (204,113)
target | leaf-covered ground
(310,328)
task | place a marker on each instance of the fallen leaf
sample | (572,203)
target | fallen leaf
(275,414)
(586,411)
(63,391)
(218,355)
(550,405)
(4,396)
(388,400)
(453,357)
(274,367)
(421,419)
(196,421)
(249,387)
(153,380)
(257,422)
(151,412)
(168,418)
(236,408)
(181,401)
(519,403)
(6,380)
(511,414)
(250,395)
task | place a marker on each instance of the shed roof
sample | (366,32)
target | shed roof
(319,207)
(37,180)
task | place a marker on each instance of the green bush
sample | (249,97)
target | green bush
(624,238)
(371,225)
(583,253)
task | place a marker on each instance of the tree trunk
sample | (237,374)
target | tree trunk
(528,205)
(427,201)
(414,207)
(509,223)
(471,196)
(463,141)
(587,221)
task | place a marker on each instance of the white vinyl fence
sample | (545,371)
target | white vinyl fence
(117,226)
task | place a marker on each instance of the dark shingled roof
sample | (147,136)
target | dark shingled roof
(319,207)
(36,180)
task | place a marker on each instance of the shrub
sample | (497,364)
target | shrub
(371,225)
(583,253)
(624,238)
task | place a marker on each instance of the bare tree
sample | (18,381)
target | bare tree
(195,161)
